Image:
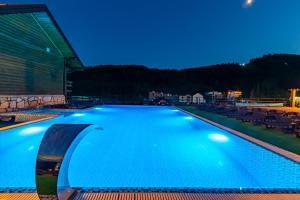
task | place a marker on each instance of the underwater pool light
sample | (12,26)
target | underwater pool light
(78,114)
(32,130)
(218,137)
(31,148)
(188,118)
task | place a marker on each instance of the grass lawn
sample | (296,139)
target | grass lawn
(271,136)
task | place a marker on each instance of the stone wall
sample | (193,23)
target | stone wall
(19,102)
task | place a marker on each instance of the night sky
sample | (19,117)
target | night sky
(176,33)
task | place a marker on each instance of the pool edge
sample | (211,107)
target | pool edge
(287,154)
(26,123)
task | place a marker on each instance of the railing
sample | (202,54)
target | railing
(265,100)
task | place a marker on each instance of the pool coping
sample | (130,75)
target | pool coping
(287,154)
(166,190)
(26,123)
(49,116)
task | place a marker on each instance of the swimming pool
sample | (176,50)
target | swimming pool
(149,148)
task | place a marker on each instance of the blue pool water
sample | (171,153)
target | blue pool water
(148,147)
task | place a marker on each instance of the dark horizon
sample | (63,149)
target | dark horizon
(200,66)
(268,77)
(176,34)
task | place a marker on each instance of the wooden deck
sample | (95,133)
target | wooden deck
(159,196)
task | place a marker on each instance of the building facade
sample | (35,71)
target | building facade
(186,99)
(35,58)
(233,95)
(154,96)
(198,99)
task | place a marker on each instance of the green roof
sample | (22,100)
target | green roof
(48,25)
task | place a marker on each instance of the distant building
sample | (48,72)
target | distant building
(160,97)
(214,96)
(234,95)
(198,98)
(155,95)
(187,99)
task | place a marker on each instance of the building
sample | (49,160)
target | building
(161,96)
(233,95)
(198,98)
(155,95)
(213,96)
(35,58)
(186,99)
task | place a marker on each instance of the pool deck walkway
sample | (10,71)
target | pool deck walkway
(159,196)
